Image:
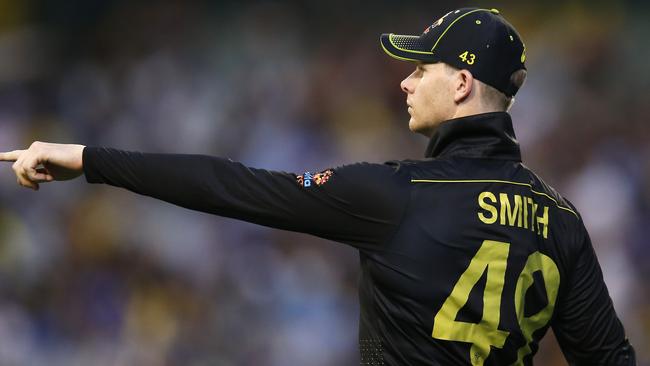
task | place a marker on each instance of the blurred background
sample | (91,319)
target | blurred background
(93,275)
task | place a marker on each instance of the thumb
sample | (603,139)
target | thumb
(39,175)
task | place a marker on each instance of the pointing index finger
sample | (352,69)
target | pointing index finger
(10,155)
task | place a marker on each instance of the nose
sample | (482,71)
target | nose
(407,85)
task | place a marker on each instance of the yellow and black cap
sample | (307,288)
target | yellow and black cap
(479,40)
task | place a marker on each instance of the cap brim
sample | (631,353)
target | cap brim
(406,48)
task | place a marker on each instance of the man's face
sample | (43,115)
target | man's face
(429,96)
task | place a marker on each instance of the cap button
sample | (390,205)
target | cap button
(495,11)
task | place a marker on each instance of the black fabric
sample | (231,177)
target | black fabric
(360,205)
(421,226)
(481,135)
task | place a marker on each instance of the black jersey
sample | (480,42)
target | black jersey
(467,257)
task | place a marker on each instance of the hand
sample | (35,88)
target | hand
(44,162)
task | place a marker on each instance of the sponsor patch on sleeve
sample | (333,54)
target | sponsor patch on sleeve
(307,179)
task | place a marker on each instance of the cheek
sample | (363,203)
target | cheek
(438,89)
(432,94)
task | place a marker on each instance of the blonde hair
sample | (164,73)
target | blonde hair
(493,98)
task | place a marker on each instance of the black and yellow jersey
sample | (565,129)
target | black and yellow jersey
(467,257)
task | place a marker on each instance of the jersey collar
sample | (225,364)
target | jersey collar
(486,135)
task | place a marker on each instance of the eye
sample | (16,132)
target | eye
(419,70)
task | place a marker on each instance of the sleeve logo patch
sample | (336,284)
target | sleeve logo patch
(307,179)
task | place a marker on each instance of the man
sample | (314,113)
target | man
(467,257)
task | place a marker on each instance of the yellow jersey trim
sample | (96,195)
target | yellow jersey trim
(496,181)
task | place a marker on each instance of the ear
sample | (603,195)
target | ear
(463,85)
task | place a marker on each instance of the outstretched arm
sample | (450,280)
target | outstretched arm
(359,204)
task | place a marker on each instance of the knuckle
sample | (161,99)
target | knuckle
(36,145)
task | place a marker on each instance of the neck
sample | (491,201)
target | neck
(459,112)
(481,135)
(470,109)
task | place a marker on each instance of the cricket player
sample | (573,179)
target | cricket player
(467,257)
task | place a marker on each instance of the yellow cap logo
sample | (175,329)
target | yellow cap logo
(523,55)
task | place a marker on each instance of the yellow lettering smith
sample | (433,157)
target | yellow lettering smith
(513,210)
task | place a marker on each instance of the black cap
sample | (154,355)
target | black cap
(479,40)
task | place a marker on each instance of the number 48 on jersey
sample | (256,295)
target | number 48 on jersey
(492,257)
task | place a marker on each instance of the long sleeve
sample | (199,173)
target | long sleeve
(587,327)
(359,204)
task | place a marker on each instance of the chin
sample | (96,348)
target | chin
(413,125)
(421,128)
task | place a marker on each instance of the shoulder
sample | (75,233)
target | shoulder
(366,189)
(542,188)
(569,223)
(391,173)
